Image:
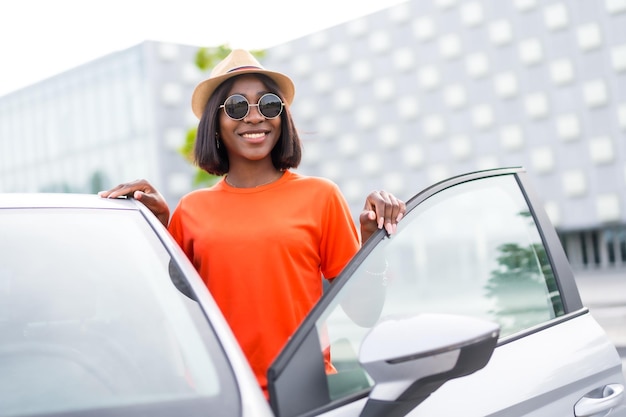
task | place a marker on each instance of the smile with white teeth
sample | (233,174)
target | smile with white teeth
(253,135)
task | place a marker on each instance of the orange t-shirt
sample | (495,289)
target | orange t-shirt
(262,253)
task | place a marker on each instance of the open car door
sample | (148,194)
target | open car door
(470,309)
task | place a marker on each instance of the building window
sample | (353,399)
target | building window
(609,243)
(597,248)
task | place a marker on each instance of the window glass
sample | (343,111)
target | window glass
(90,318)
(472,249)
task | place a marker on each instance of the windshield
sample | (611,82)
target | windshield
(90,319)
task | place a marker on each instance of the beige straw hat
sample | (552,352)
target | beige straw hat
(238,62)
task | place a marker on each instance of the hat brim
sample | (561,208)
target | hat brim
(204,89)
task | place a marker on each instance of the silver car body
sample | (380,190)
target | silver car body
(470,309)
(107,243)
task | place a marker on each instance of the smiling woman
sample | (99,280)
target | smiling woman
(294,230)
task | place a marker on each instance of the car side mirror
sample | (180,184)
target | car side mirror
(409,358)
(179,280)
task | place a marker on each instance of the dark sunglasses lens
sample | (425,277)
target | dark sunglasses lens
(236,107)
(270,106)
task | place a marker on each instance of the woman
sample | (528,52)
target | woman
(263,236)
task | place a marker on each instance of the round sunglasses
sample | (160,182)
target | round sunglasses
(237,106)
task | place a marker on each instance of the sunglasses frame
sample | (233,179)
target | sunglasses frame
(257,105)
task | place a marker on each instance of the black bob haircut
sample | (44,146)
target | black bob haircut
(287,153)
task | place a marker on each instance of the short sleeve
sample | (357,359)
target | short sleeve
(340,239)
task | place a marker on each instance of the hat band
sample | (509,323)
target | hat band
(243,68)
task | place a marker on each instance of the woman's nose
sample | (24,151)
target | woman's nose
(254,113)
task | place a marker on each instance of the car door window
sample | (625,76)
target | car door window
(472,249)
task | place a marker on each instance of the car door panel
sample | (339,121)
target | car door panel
(543,374)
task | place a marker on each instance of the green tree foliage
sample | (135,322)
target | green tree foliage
(206,58)
(523,285)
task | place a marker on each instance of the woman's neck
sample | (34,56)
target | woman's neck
(252,179)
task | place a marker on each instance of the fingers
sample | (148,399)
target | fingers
(385,209)
(133,189)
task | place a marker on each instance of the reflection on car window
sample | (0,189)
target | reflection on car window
(90,318)
(472,249)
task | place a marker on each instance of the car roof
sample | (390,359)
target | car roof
(64,200)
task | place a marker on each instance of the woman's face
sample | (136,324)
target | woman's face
(253,137)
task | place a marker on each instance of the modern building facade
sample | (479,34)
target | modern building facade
(121,117)
(433,88)
(396,100)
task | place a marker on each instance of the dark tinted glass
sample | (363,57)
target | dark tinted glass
(237,106)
